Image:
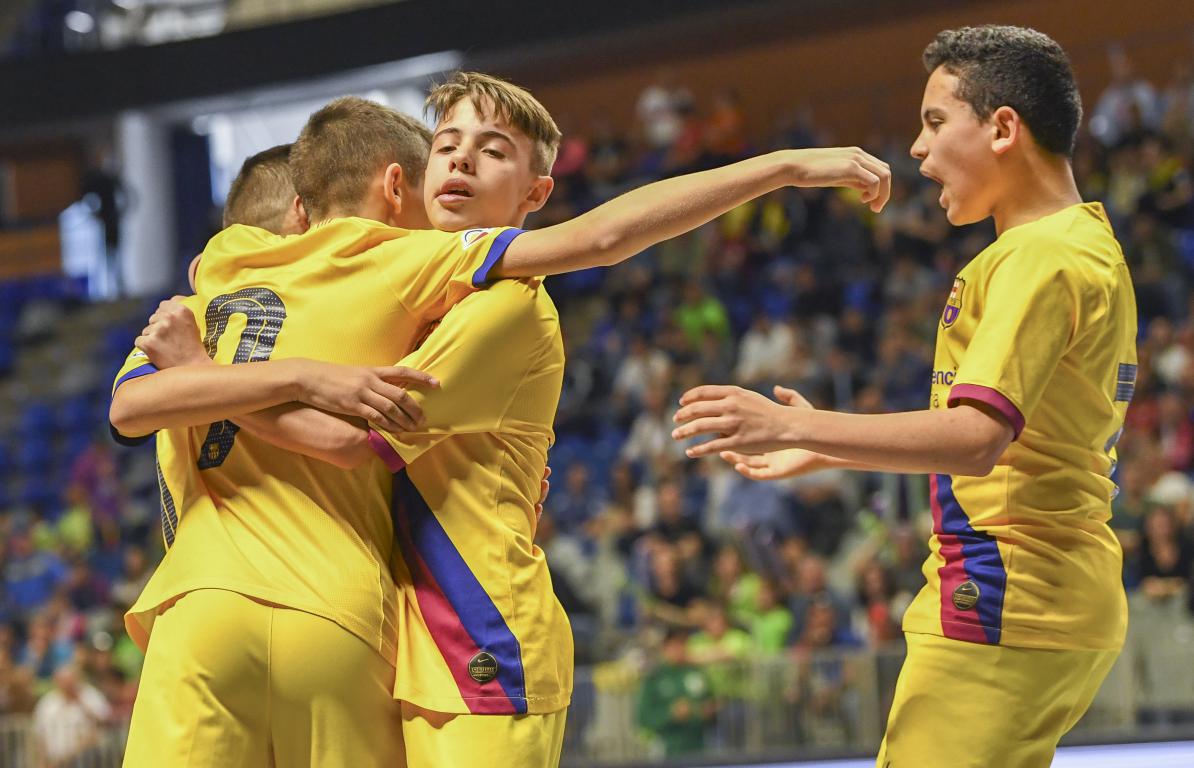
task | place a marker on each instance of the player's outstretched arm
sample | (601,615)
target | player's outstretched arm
(630,223)
(339,440)
(200,394)
(790,462)
(192,390)
(964,440)
(172,339)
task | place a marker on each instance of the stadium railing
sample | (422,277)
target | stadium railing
(825,702)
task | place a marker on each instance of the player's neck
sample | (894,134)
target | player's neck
(1041,186)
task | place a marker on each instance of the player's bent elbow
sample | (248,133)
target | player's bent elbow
(125,419)
(352,458)
(607,249)
(976,466)
(979,459)
(985,435)
(349,449)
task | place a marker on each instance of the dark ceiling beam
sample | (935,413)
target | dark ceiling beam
(47,90)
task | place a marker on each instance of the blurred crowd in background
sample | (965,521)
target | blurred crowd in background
(663,563)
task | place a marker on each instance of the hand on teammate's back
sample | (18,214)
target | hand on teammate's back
(372,394)
(845,167)
(172,337)
(544,489)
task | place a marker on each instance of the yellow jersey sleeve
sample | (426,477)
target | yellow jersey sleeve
(1031,310)
(489,355)
(136,365)
(429,271)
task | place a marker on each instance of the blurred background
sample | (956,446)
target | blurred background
(717,620)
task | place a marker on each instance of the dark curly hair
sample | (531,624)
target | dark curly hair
(1016,67)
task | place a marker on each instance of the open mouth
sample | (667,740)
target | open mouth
(454,190)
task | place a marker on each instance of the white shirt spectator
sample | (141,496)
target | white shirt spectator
(658,110)
(766,352)
(67,719)
(1126,94)
(640,371)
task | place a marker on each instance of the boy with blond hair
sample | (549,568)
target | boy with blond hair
(483,650)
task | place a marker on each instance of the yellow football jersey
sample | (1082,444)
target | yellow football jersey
(1040,326)
(481,630)
(171,458)
(268,523)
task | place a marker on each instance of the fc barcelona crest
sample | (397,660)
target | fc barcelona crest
(953,305)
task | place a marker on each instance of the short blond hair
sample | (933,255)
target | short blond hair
(262,193)
(513,104)
(345,144)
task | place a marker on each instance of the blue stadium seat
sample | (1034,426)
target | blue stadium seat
(76,443)
(37,419)
(1185,244)
(741,311)
(34,454)
(8,354)
(776,303)
(75,415)
(40,492)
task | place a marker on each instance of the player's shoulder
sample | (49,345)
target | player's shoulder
(525,298)
(1076,244)
(241,237)
(1079,234)
(464,240)
(240,246)
(429,243)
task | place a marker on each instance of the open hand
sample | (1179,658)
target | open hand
(775,465)
(745,421)
(371,393)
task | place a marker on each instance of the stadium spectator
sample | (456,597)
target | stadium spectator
(578,501)
(1127,104)
(30,576)
(1166,556)
(796,288)
(67,720)
(675,702)
(771,621)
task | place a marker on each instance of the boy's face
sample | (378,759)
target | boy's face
(479,172)
(955,150)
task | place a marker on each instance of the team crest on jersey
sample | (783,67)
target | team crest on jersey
(953,305)
(470,236)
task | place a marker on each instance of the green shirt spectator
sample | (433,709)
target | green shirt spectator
(675,703)
(700,314)
(772,622)
(721,649)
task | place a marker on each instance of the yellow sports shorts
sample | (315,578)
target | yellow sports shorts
(229,682)
(969,705)
(441,740)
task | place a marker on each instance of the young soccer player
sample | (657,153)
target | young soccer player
(403,279)
(262,195)
(1024,611)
